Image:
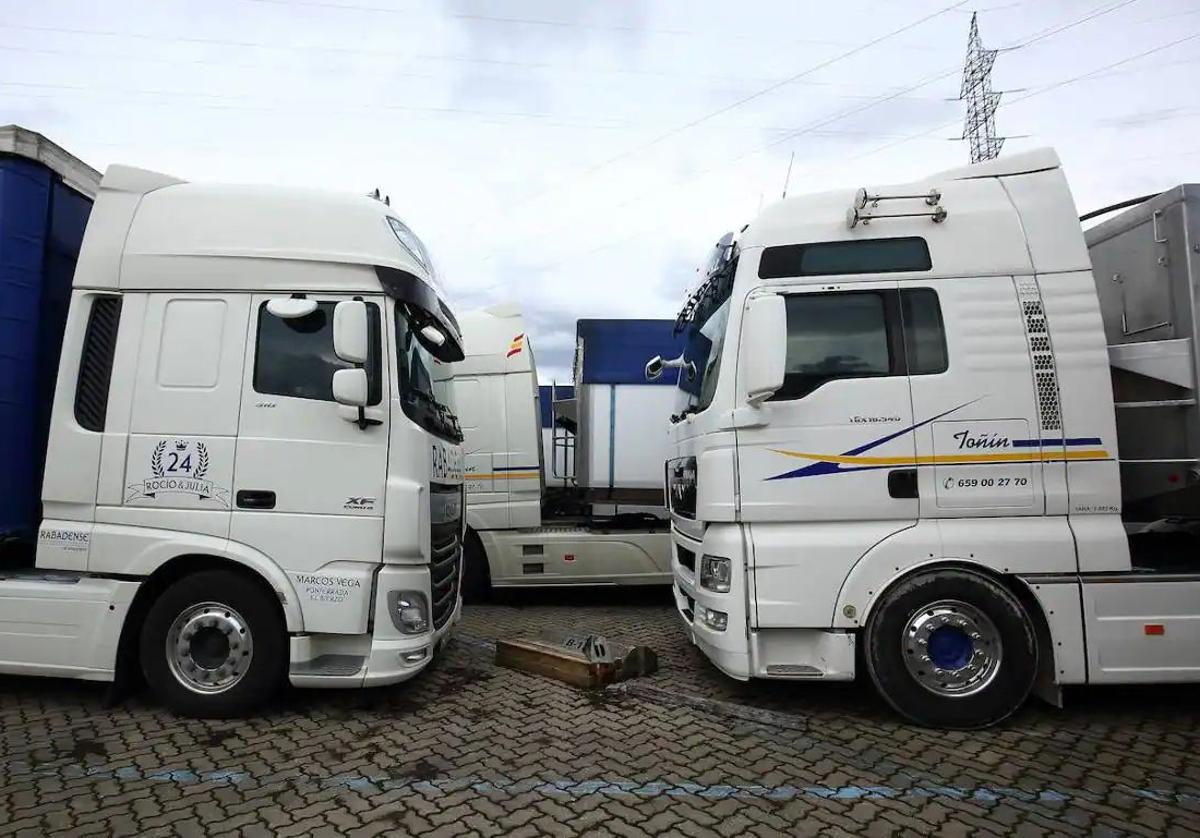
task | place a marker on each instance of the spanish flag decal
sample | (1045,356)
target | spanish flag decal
(514,348)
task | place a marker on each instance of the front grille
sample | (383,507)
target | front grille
(445,559)
(686,558)
(689,609)
(681,486)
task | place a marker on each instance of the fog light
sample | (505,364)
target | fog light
(409,611)
(716,620)
(715,574)
(414,657)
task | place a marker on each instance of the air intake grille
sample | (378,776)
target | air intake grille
(1045,377)
(445,560)
(96,361)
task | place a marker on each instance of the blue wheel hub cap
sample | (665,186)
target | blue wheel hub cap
(950,647)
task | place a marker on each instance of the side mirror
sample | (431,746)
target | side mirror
(350,331)
(350,388)
(764,346)
(654,368)
(656,365)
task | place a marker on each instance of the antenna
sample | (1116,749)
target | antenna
(980,124)
(788,177)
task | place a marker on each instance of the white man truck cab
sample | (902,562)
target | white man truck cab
(248,477)
(522,532)
(900,441)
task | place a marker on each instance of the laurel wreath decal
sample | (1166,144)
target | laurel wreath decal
(156,465)
(202,460)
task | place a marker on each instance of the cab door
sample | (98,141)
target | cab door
(983,447)
(992,443)
(835,442)
(308,483)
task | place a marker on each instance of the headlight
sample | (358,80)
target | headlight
(715,574)
(409,611)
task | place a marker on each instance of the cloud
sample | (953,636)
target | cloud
(520,140)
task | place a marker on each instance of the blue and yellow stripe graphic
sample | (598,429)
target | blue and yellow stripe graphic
(1030,451)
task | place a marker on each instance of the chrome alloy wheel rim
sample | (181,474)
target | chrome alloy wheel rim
(951,648)
(209,648)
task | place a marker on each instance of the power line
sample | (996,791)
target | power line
(324,71)
(554,24)
(557,24)
(726,163)
(591,170)
(357,51)
(1040,91)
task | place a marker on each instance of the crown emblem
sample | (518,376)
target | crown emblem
(180,445)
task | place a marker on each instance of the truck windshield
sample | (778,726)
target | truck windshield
(425,402)
(703,320)
(708,344)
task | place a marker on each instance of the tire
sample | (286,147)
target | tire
(477,575)
(951,649)
(214,616)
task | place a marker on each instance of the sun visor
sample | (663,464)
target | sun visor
(409,288)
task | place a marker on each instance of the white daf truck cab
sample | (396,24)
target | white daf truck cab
(900,443)
(522,531)
(249,477)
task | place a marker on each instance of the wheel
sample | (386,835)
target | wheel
(477,575)
(951,648)
(213,645)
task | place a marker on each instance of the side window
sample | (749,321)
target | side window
(867,256)
(832,336)
(295,357)
(924,332)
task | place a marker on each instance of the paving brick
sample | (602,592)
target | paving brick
(470,749)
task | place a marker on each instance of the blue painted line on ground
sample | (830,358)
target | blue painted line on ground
(616,788)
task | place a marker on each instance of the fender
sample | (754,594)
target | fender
(139,551)
(875,571)
(1002,546)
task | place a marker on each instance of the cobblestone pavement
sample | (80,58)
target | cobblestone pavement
(469,748)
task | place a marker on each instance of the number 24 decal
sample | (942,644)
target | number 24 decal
(175,465)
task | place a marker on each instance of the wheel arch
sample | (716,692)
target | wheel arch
(179,567)
(1046,659)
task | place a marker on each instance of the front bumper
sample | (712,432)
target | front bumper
(379,658)
(729,650)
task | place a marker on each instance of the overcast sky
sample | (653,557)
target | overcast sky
(580,158)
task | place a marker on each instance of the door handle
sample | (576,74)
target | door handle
(902,483)
(255,499)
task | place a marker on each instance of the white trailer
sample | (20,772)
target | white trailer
(525,528)
(248,477)
(903,442)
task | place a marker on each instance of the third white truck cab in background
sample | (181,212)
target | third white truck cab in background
(522,529)
(248,476)
(901,439)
